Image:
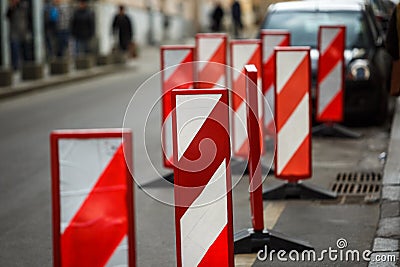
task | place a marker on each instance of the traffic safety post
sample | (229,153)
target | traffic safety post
(243,52)
(293,122)
(211,68)
(203,200)
(255,239)
(176,72)
(92,198)
(269,40)
(330,83)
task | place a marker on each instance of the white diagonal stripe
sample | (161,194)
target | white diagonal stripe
(191,113)
(286,63)
(327,37)
(269,43)
(330,87)
(206,49)
(205,219)
(168,137)
(119,258)
(240,127)
(269,106)
(221,83)
(81,164)
(260,102)
(242,54)
(293,133)
(172,58)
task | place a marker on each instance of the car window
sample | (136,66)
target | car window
(304,25)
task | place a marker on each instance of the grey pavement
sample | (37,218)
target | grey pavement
(387,240)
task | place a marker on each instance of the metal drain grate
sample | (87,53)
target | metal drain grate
(357,184)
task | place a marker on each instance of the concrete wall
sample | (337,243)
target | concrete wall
(179,27)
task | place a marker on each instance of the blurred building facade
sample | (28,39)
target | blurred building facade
(154,21)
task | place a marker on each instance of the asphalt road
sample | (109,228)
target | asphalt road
(25,193)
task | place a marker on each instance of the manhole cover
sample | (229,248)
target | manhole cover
(357,184)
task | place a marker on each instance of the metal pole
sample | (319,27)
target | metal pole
(37,17)
(5,49)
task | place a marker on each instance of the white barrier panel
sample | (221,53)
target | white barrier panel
(269,40)
(330,89)
(202,180)
(175,74)
(92,195)
(293,113)
(211,51)
(243,52)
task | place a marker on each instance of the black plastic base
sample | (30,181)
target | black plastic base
(297,191)
(249,241)
(334,130)
(169,177)
(241,167)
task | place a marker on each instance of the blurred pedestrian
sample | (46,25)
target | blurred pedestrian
(17,14)
(236,18)
(50,16)
(82,28)
(216,18)
(122,25)
(393,47)
(63,32)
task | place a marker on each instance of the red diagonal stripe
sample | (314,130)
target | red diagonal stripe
(239,86)
(332,55)
(101,223)
(187,190)
(211,73)
(334,111)
(181,78)
(299,165)
(292,93)
(268,74)
(217,254)
(269,68)
(243,151)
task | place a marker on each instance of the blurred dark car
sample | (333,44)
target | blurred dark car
(367,72)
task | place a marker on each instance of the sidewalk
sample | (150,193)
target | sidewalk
(387,240)
(20,86)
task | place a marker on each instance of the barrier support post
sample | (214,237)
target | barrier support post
(176,72)
(332,129)
(256,238)
(293,162)
(243,52)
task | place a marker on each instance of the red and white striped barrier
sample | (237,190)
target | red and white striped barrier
(255,239)
(330,92)
(211,49)
(269,40)
(175,74)
(203,200)
(92,195)
(293,113)
(243,52)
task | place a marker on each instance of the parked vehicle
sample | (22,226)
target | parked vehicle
(367,72)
